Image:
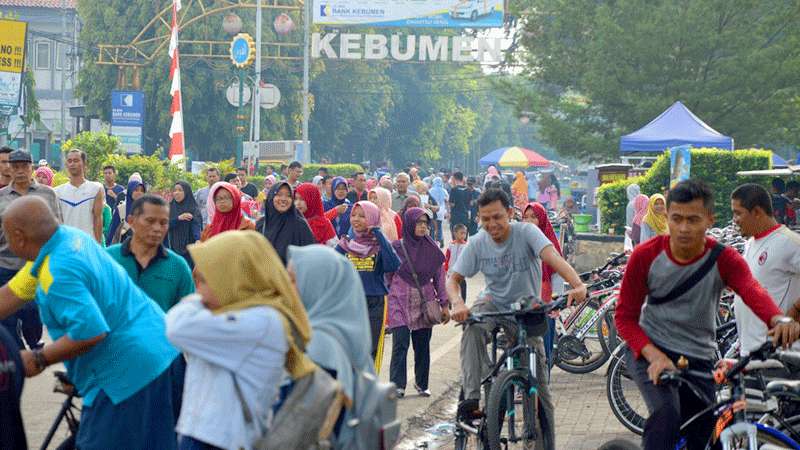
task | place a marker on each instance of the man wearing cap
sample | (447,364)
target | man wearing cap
(22,183)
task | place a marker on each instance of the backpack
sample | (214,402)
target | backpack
(306,419)
(373,418)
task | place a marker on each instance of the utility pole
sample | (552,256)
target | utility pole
(63,72)
(306,63)
(256,97)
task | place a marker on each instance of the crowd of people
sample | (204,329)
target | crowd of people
(206,308)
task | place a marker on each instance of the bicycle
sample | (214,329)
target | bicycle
(622,393)
(511,388)
(69,412)
(733,428)
(592,320)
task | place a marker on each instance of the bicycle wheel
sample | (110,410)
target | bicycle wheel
(576,356)
(511,411)
(623,395)
(766,437)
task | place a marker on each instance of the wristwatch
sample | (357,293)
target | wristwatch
(39,359)
(784,320)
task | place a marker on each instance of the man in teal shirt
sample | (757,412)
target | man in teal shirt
(159,272)
(109,334)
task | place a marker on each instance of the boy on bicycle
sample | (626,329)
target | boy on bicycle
(510,256)
(667,309)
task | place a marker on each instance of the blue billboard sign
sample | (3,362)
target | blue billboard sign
(127,108)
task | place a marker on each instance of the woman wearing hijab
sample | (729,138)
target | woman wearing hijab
(391,225)
(224,211)
(632,190)
(341,223)
(238,334)
(282,224)
(420,256)
(119,229)
(491,173)
(309,203)
(440,194)
(536,214)
(331,292)
(654,222)
(373,257)
(185,220)
(640,209)
(412,201)
(519,190)
(386,183)
(44,175)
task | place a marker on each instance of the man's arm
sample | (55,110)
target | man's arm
(97,215)
(9,302)
(61,350)
(551,257)
(460,310)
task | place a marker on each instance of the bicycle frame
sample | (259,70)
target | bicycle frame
(612,293)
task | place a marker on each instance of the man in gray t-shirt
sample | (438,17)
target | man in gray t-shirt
(510,256)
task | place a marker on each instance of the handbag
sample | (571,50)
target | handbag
(431,310)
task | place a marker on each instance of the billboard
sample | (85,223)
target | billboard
(127,119)
(680,164)
(12,61)
(410,13)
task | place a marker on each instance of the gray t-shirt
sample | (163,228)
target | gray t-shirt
(512,269)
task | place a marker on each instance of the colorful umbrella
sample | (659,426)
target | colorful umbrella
(514,157)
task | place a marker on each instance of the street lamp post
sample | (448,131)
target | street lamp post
(243,54)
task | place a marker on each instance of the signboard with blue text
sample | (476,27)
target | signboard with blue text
(680,164)
(127,119)
(410,13)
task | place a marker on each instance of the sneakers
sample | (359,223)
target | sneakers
(401,393)
(422,392)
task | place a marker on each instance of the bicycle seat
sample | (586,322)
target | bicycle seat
(784,388)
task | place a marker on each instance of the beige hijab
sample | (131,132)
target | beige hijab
(257,279)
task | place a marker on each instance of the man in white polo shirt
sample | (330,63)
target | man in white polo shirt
(82,200)
(773,254)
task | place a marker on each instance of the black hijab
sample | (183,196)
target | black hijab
(180,231)
(284,229)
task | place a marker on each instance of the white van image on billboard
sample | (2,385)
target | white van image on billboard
(472,9)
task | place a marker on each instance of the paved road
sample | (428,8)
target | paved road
(584,420)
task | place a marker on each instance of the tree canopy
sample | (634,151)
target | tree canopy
(442,114)
(595,70)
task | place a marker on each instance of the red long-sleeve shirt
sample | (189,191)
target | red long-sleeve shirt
(687,324)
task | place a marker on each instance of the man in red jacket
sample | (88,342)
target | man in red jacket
(667,310)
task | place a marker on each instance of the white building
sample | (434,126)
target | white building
(52,52)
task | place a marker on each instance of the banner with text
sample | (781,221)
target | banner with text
(12,61)
(127,119)
(410,13)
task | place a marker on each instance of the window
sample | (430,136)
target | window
(43,55)
(62,55)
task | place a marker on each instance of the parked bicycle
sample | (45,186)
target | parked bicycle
(69,412)
(512,413)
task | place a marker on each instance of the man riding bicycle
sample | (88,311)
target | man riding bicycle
(667,309)
(510,256)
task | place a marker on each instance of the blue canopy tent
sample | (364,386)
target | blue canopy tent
(778,162)
(675,126)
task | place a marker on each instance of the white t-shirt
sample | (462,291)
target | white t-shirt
(77,204)
(774,260)
(512,269)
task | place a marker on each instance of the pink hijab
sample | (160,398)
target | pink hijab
(365,244)
(384,202)
(640,208)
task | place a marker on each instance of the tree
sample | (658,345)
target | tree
(598,70)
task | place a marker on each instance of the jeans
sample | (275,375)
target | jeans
(670,406)
(25,321)
(190,443)
(421,340)
(549,341)
(439,233)
(475,364)
(375,307)
(463,286)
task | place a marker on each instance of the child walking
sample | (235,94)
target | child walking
(457,245)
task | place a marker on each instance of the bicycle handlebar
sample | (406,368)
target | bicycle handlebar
(539,308)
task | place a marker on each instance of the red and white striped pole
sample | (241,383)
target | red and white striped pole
(177,149)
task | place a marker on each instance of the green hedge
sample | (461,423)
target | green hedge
(310,170)
(716,167)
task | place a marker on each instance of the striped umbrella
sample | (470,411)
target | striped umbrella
(514,157)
